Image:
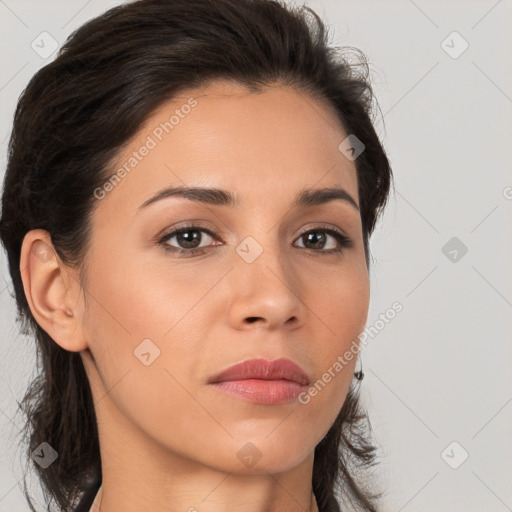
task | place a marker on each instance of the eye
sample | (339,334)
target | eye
(189,239)
(317,237)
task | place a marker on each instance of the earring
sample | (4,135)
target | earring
(359,375)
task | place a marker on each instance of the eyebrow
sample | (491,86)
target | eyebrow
(220,197)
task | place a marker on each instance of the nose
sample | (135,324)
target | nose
(266,290)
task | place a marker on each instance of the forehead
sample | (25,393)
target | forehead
(264,146)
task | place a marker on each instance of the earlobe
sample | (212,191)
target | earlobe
(50,289)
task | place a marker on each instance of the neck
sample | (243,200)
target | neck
(229,495)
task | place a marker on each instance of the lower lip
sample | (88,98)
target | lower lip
(268,392)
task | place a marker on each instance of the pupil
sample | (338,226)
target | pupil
(315,236)
(187,240)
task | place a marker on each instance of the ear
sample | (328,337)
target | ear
(52,291)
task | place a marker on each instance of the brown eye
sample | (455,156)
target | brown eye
(318,239)
(188,240)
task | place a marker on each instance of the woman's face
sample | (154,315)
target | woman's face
(160,325)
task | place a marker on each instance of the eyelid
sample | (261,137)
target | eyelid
(191,224)
(322,227)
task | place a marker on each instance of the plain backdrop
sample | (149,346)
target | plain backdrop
(438,381)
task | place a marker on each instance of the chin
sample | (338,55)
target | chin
(263,455)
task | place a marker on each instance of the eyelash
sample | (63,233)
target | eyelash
(344,241)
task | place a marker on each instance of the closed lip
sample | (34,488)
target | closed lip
(260,368)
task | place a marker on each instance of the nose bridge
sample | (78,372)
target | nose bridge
(261,254)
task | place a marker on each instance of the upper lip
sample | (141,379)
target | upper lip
(264,369)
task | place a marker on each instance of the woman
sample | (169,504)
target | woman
(189,196)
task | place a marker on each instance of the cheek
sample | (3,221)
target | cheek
(142,298)
(341,303)
(343,311)
(143,313)
(146,345)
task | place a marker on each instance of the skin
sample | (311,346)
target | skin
(169,441)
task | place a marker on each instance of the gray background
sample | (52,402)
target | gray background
(438,373)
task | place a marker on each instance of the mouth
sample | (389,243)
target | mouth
(262,381)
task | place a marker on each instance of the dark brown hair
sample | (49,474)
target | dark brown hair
(71,121)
